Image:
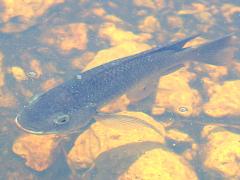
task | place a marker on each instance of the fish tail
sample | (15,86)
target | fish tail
(219,52)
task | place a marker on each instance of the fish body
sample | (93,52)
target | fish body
(74,103)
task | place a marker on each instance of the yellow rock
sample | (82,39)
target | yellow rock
(117,36)
(195,42)
(154,5)
(174,93)
(223,98)
(18,73)
(222,151)
(111,132)
(67,37)
(122,50)
(177,135)
(214,72)
(201,13)
(36,150)
(159,164)
(28,11)
(113,19)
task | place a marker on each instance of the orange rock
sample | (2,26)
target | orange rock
(194,9)
(178,96)
(99,11)
(27,11)
(2,79)
(7,100)
(180,35)
(81,62)
(236,66)
(191,153)
(50,83)
(2,75)
(223,99)
(36,150)
(175,22)
(113,131)
(221,152)
(36,67)
(117,105)
(67,37)
(228,10)
(51,68)
(26,92)
(150,24)
(112,4)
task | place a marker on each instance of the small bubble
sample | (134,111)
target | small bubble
(32,74)
(79,76)
(183,109)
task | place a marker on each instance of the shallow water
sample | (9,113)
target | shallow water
(196,108)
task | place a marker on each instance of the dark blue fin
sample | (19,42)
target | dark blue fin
(178,45)
(175,46)
(216,52)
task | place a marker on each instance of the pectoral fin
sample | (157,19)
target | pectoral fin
(123,121)
(145,88)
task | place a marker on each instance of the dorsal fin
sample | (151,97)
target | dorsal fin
(178,45)
(174,46)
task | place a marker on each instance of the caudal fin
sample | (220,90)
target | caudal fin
(218,52)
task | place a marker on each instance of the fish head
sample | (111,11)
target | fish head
(51,114)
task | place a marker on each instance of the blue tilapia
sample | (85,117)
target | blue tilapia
(73,104)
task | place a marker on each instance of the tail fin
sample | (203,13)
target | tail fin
(218,52)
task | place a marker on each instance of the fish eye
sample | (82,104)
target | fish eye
(62,119)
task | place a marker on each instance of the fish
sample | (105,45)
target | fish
(73,104)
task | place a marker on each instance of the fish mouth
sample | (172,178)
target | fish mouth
(26,130)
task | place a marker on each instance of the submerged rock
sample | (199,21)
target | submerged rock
(36,150)
(221,152)
(111,132)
